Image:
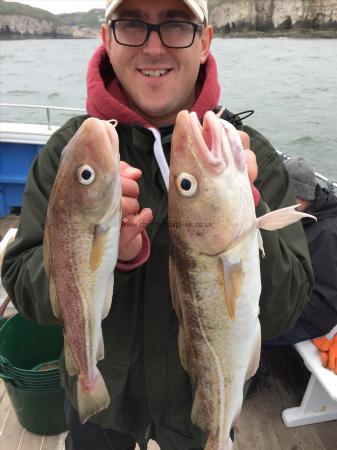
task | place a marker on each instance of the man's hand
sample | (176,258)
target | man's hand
(251,164)
(133,223)
(328,351)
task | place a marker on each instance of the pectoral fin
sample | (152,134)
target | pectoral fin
(97,249)
(232,272)
(281,218)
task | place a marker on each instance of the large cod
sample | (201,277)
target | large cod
(80,252)
(214,268)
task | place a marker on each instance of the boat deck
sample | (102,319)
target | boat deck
(283,379)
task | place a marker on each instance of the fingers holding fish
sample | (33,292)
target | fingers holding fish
(130,240)
(252,172)
(129,176)
(252,168)
(245,139)
(251,164)
(130,189)
(128,171)
(130,206)
(133,224)
(249,155)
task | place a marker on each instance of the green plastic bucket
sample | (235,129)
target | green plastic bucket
(36,395)
(24,377)
(40,412)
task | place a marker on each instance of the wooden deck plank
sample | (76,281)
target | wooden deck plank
(2,389)
(11,432)
(261,410)
(283,370)
(5,406)
(243,429)
(327,434)
(30,441)
(259,419)
(54,442)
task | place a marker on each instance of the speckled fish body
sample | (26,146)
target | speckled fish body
(80,252)
(214,268)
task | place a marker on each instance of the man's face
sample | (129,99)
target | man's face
(158,81)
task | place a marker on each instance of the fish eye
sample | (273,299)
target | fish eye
(85,174)
(186,184)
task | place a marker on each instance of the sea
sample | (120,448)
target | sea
(291,84)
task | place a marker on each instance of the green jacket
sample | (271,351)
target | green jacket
(142,370)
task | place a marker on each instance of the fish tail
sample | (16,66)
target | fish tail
(214,443)
(92,396)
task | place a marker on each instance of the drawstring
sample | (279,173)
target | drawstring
(160,157)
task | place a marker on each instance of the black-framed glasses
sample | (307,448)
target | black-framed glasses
(172,34)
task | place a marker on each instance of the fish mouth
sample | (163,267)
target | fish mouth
(216,142)
(207,139)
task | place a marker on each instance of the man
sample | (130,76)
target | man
(155,61)
(319,315)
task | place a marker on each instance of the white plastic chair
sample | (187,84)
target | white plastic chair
(319,403)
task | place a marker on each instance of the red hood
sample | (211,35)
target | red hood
(105,98)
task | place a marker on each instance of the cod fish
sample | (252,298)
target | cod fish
(214,268)
(80,253)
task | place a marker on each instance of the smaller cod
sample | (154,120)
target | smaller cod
(214,268)
(80,252)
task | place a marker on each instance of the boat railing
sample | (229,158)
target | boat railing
(48,109)
(331,185)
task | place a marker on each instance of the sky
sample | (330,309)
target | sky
(64,6)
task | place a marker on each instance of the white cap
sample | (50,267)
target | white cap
(199,8)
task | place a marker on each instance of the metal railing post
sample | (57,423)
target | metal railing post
(48,118)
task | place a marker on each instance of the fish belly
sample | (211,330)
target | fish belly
(81,300)
(220,349)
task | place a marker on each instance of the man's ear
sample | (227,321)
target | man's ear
(105,36)
(206,39)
